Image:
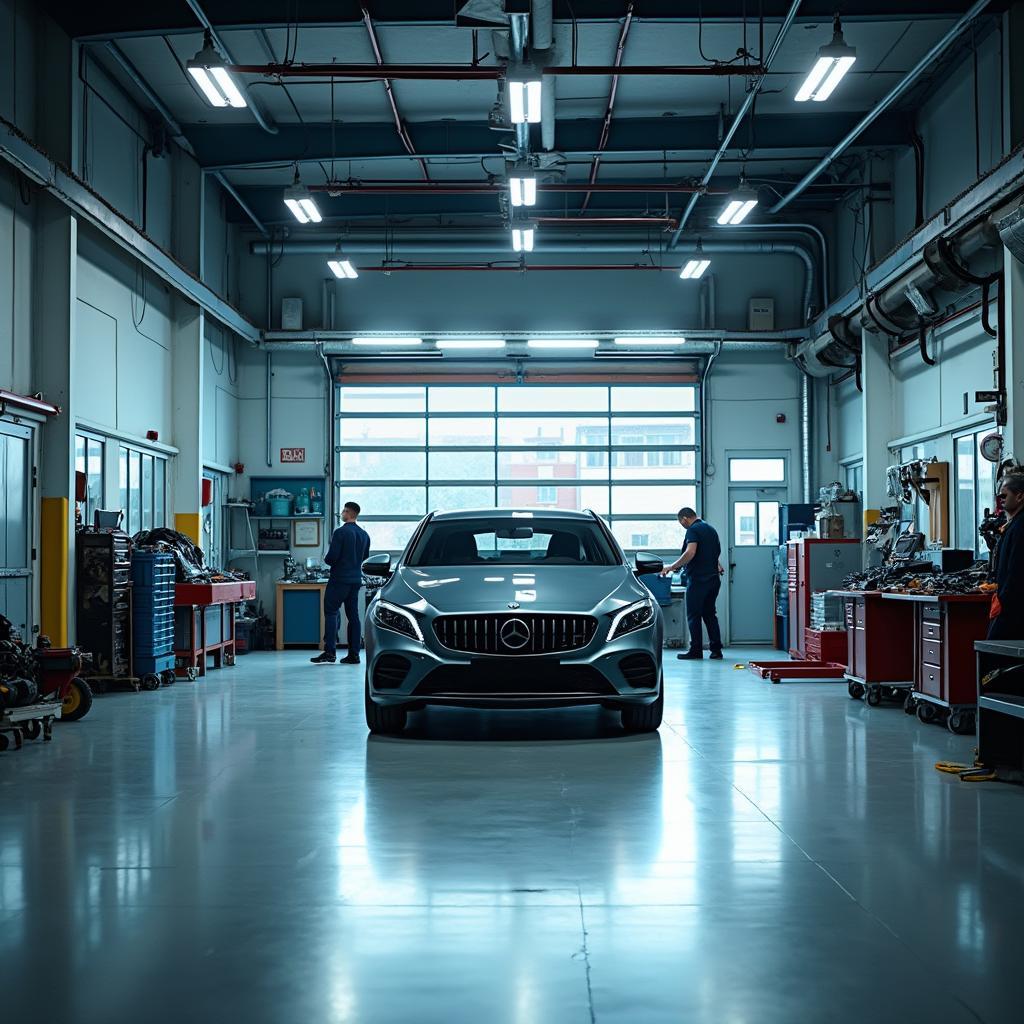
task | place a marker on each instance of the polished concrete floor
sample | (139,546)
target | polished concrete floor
(239,850)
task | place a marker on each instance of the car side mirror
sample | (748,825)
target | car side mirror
(377,565)
(648,564)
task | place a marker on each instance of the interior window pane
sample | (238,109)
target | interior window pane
(383,432)
(660,534)
(134,492)
(387,501)
(385,536)
(449,433)
(553,495)
(654,464)
(460,399)
(94,474)
(79,453)
(159,498)
(651,431)
(444,498)
(744,524)
(147,492)
(552,399)
(966,503)
(986,493)
(564,430)
(757,470)
(768,523)
(640,500)
(664,398)
(545,463)
(462,465)
(123,484)
(383,399)
(380,465)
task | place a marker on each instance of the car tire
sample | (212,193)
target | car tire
(644,717)
(381,720)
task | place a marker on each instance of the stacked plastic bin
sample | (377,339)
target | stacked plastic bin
(153,576)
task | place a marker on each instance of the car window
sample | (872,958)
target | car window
(512,542)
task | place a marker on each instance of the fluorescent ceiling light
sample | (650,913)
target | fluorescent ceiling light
(562,343)
(694,269)
(388,342)
(650,341)
(298,199)
(832,64)
(522,239)
(522,189)
(470,343)
(524,101)
(210,73)
(343,269)
(738,205)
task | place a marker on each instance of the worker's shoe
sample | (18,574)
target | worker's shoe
(324,659)
(352,659)
(716,655)
(691,656)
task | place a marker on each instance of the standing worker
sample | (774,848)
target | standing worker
(1008,602)
(701,553)
(350,547)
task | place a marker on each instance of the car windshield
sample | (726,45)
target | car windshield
(518,541)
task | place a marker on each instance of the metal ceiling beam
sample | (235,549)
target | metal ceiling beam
(740,115)
(482,72)
(86,204)
(469,188)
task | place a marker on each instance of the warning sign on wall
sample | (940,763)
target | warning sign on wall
(293,454)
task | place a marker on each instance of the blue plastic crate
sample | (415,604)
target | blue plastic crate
(152,665)
(659,586)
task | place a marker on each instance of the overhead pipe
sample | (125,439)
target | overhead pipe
(745,107)
(805,437)
(468,188)
(883,104)
(246,209)
(519,25)
(606,124)
(542,40)
(261,118)
(542,24)
(663,223)
(491,72)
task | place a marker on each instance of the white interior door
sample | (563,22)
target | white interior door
(16,526)
(753,536)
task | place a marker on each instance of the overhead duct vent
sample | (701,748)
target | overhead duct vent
(1011,231)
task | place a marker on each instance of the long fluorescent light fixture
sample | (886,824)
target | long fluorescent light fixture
(209,71)
(829,69)
(522,239)
(524,100)
(562,343)
(343,269)
(470,343)
(738,205)
(522,188)
(388,342)
(694,269)
(653,341)
(298,199)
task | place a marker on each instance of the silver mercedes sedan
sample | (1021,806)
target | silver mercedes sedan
(513,609)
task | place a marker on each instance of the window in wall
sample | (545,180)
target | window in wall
(143,486)
(757,470)
(918,511)
(755,523)
(212,541)
(854,474)
(89,460)
(626,452)
(974,490)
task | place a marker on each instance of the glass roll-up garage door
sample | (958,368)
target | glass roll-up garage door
(628,452)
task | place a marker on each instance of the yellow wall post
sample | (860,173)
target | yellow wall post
(54,552)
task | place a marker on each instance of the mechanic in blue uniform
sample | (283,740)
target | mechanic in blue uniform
(700,558)
(1007,616)
(350,547)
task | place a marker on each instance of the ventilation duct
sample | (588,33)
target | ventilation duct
(1011,232)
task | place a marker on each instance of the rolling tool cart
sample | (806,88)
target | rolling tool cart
(204,620)
(103,598)
(153,574)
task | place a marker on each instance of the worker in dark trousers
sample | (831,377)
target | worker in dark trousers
(350,547)
(701,555)
(1008,601)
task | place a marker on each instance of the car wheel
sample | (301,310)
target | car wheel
(644,717)
(383,721)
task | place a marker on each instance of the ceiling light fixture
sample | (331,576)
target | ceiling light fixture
(695,267)
(298,199)
(738,205)
(832,64)
(650,341)
(562,343)
(388,342)
(343,269)
(210,72)
(470,343)
(524,95)
(522,184)
(523,236)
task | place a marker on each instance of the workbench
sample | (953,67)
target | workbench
(299,621)
(1001,704)
(204,624)
(946,627)
(879,646)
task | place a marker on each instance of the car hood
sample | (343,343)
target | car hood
(495,588)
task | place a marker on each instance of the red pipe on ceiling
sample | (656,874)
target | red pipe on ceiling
(665,223)
(479,72)
(515,268)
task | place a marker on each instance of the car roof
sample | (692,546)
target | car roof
(512,513)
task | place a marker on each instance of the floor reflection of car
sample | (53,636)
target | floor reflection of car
(513,609)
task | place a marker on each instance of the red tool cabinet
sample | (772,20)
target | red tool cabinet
(204,623)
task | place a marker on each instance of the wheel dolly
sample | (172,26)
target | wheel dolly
(28,723)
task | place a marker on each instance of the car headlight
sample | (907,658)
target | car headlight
(398,620)
(631,618)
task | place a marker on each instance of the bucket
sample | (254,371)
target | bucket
(280,506)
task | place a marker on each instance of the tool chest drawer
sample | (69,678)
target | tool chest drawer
(931,630)
(931,652)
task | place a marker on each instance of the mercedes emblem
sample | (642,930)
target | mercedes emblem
(515,634)
(513,605)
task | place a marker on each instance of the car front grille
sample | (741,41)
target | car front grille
(512,635)
(639,671)
(390,671)
(504,680)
